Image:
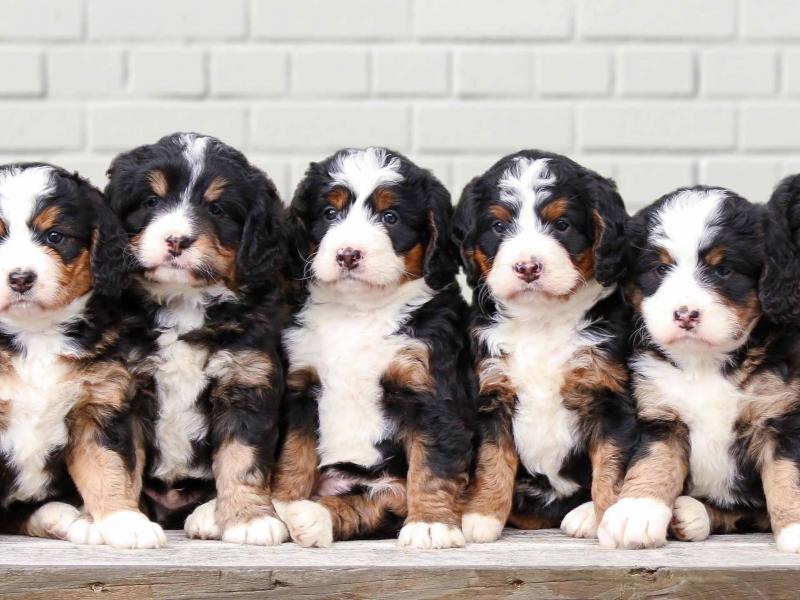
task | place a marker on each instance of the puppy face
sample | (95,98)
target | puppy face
(53,227)
(372,219)
(197,212)
(695,269)
(538,225)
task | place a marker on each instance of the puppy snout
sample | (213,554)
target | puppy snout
(348,258)
(176,244)
(21,281)
(686,318)
(528,270)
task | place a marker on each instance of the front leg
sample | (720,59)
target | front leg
(781,478)
(105,460)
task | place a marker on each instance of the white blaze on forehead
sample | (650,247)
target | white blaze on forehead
(686,224)
(362,171)
(194,152)
(19,191)
(525,185)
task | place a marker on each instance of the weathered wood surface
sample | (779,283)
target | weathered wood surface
(522,565)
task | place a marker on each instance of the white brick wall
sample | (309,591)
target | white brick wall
(654,93)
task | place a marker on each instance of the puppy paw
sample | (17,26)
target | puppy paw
(480,528)
(52,520)
(635,523)
(85,531)
(263,531)
(788,540)
(131,529)
(202,524)
(690,522)
(422,535)
(581,521)
(309,523)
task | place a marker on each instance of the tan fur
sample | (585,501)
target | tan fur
(221,259)
(158,183)
(75,279)
(338,197)
(554,210)
(214,189)
(528,521)
(725,521)
(431,499)
(410,369)
(384,199)
(501,213)
(781,480)
(242,492)
(714,256)
(46,218)
(250,368)
(481,261)
(661,473)
(492,489)
(414,263)
(608,473)
(359,514)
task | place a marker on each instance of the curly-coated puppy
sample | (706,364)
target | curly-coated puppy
(67,437)
(206,246)
(377,407)
(715,377)
(542,245)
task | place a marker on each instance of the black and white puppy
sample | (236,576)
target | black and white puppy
(207,247)
(542,244)
(377,409)
(67,437)
(715,377)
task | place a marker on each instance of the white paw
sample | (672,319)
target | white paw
(201,524)
(690,520)
(430,535)
(635,523)
(85,531)
(131,529)
(52,520)
(309,523)
(788,540)
(263,531)
(581,521)
(480,528)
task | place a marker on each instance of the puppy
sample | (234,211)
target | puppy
(206,247)
(377,411)
(716,379)
(66,432)
(542,246)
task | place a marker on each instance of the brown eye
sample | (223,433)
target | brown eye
(152,202)
(723,272)
(215,209)
(561,224)
(500,227)
(330,213)
(663,269)
(54,237)
(389,217)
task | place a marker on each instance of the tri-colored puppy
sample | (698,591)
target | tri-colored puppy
(377,410)
(206,245)
(715,377)
(542,245)
(67,438)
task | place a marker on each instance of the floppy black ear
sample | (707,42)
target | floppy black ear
(464,229)
(296,231)
(440,264)
(609,216)
(109,246)
(779,286)
(261,254)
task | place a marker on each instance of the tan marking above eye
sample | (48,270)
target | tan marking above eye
(384,199)
(3,229)
(665,257)
(338,197)
(554,210)
(501,213)
(46,218)
(214,189)
(715,256)
(158,183)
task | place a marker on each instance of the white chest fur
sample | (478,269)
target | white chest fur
(534,350)
(180,379)
(40,392)
(709,405)
(350,348)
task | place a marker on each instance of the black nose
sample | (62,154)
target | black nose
(686,319)
(348,258)
(177,244)
(528,270)
(21,281)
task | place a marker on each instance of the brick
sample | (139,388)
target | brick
(791,71)
(500,19)
(660,126)
(329,72)
(121,126)
(656,72)
(322,19)
(156,19)
(656,19)
(753,179)
(168,72)
(465,168)
(22,73)
(771,19)
(485,127)
(41,19)
(278,171)
(39,126)
(735,72)
(325,127)
(573,72)
(248,72)
(641,181)
(411,72)
(481,72)
(82,72)
(771,126)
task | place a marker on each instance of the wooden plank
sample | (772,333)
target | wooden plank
(523,564)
